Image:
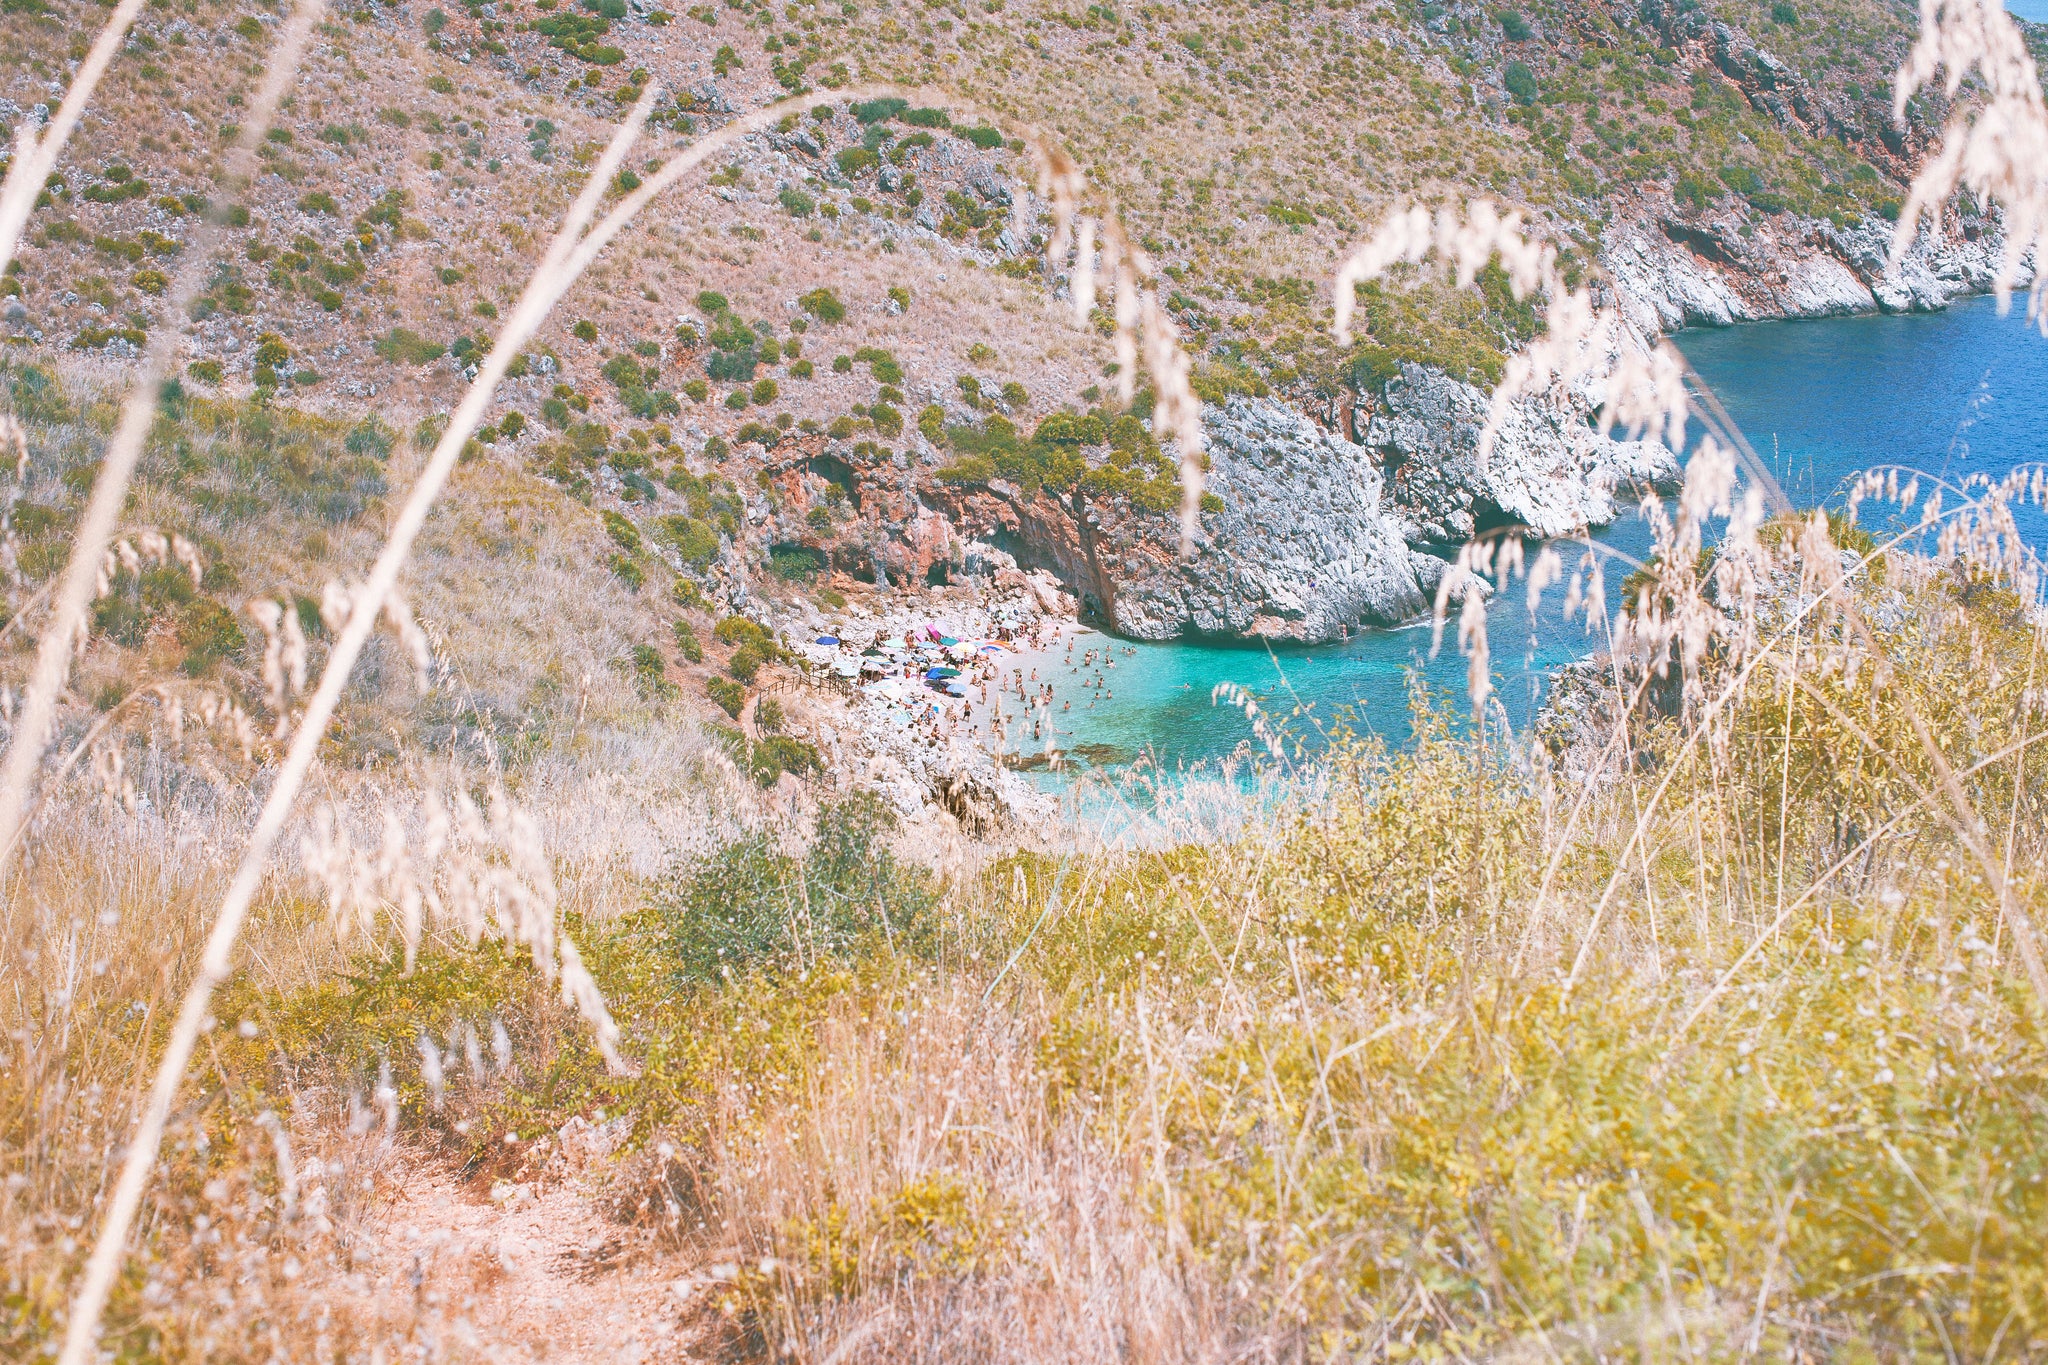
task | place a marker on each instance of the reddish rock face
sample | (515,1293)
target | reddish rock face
(1306,538)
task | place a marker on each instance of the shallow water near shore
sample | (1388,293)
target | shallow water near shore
(1955,393)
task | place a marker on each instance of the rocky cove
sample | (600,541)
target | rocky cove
(1319,534)
(1324,521)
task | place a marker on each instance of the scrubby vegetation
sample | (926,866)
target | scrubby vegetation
(1769,1083)
(1713,1029)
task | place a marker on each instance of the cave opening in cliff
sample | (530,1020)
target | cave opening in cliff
(1489,516)
(856,562)
(838,473)
(1028,554)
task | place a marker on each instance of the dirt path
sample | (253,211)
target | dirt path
(530,1273)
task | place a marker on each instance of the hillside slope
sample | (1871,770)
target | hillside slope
(1717,163)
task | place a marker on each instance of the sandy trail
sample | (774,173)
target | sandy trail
(537,1274)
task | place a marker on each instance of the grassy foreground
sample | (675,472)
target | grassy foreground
(1432,1060)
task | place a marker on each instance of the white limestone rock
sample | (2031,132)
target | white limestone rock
(1550,470)
(1304,546)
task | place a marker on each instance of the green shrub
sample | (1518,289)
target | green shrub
(1514,27)
(879,110)
(927,118)
(731,366)
(984,137)
(750,907)
(207,633)
(650,674)
(402,345)
(779,754)
(370,437)
(1372,369)
(1744,180)
(687,643)
(623,533)
(729,696)
(900,153)
(796,203)
(695,541)
(824,305)
(744,664)
(1520,83)
(853,161)
(1695,190)
(738,630)
(881,364)
(968,470)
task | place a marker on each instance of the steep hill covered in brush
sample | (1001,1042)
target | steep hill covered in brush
(841,349)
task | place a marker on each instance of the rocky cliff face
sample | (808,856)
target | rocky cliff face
(1550,471)
(1316,534)
(1305,545)
(1672,270)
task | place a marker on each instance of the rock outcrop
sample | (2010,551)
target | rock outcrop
(1315,535)
(1304,546)
(1672,270)
(1549,471)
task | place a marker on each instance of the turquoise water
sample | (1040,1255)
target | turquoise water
(1965,391)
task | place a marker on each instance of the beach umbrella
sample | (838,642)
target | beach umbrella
(830,640)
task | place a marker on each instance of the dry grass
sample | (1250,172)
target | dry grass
(1732,1049)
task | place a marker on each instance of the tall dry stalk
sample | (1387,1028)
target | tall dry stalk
(35,153)
(1997,148)
(365,605)
(570,253)
(76,589)
(1686,616)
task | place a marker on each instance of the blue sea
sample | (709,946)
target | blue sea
(1952,393)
